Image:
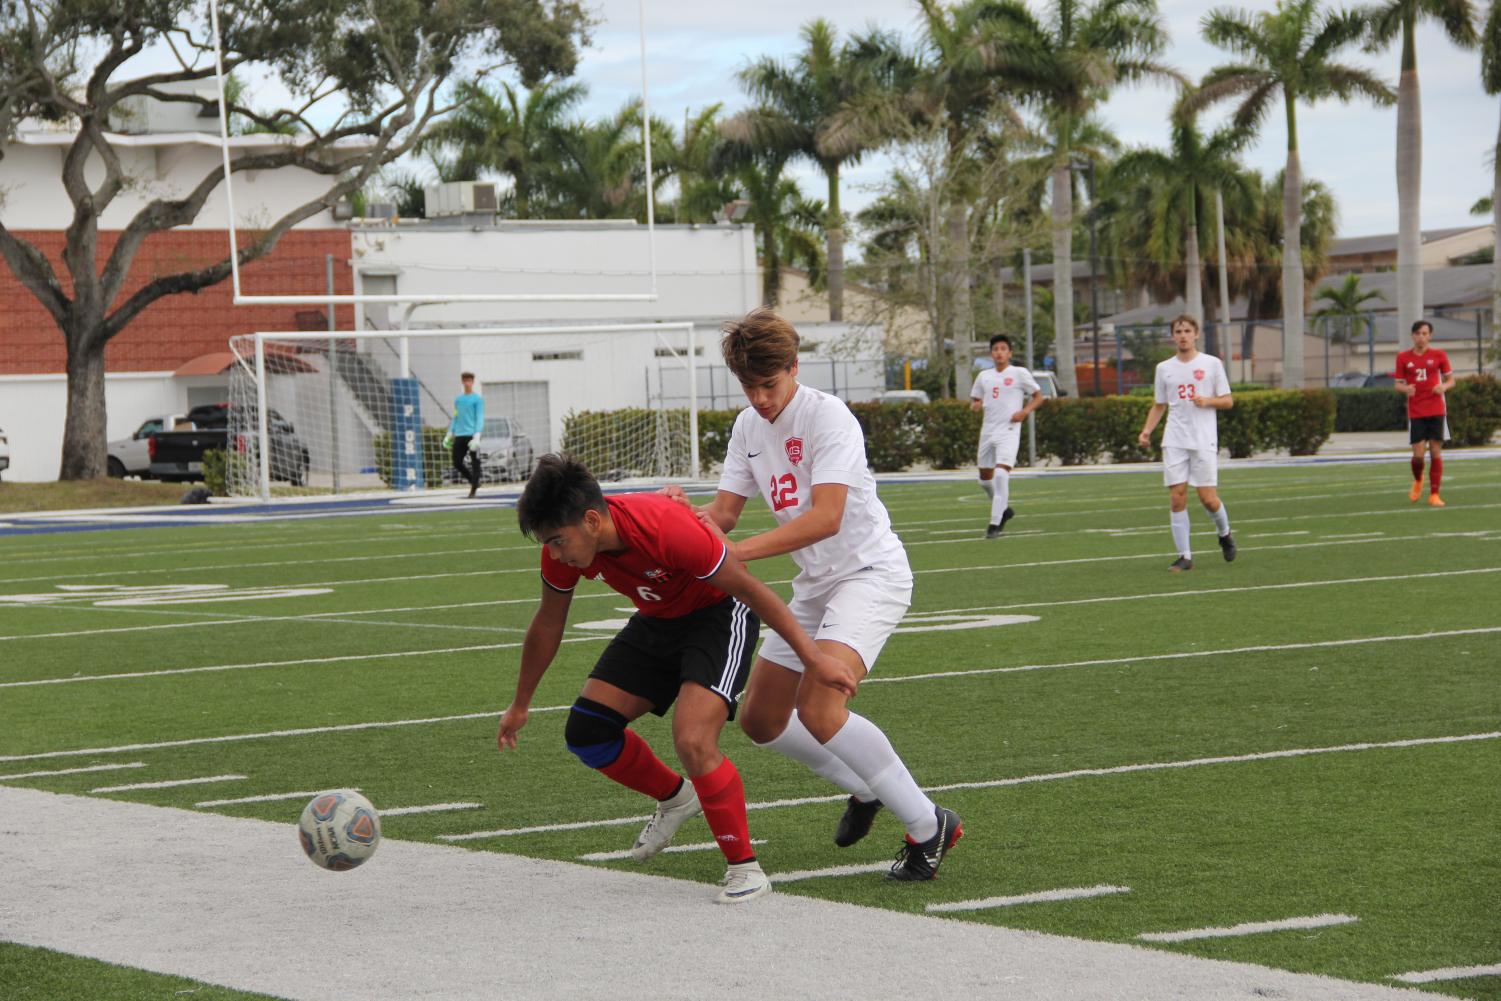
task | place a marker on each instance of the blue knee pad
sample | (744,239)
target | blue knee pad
(594,732)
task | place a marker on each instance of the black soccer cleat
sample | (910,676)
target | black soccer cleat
(918,863)
(1006,516)
(1180,564)
(1227,546)
(856,822)
(992,531)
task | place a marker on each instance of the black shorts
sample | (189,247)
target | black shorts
(1427,429)
(652,657)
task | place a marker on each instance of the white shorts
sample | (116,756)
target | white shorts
(1198,467)
(860,611)
(999,447)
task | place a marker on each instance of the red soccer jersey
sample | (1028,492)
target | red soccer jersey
(667,558)
(1423,372)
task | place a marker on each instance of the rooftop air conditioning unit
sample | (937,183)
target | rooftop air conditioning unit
(461,198)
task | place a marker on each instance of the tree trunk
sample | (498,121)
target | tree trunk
(1193,295)
(1409,187)
(834,229)
(1496,254)
(956,236)
(1063,279)
(84,451)
(771,269)
(1292,262)
(1223,327)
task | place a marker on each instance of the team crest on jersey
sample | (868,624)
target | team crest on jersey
(656,574)
(794,450)
(1199,374)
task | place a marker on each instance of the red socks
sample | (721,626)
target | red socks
(639,768)
(1417,470)
(1435,473)
(722,796)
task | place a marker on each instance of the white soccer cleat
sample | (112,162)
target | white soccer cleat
(743,881)
(670,815)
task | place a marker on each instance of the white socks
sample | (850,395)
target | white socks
(1221,520)
(800,745)
(1001,496)
(862,746)
(988,486)
(1179,521)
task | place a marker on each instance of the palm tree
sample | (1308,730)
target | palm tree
(599,172)
(818,107)
(1180,181)
(509,131)
(1387,21)
(1490,77)
(1290,50)
(702,191)
(1067,66)
(1345,300)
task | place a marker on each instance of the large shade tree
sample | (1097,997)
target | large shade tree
(1067,63)
(1388,20)
(69,61)
(1288,52)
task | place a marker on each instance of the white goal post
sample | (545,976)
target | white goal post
(330,412)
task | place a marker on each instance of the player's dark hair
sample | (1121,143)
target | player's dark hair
(561,489)
(1421,323)
(759,345)
(1000,339)
(1192,321)
(465,375)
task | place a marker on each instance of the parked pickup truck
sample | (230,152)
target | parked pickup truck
(178,455)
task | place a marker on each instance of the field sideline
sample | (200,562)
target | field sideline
(1287,761)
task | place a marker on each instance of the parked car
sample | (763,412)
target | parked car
(1048,383)
(904,396)
(1359,380)
(178,455)
(132,456)
(506,453)
(4,451)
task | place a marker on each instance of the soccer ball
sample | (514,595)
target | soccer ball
(339,830)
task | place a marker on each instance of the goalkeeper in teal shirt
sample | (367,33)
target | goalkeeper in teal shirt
(464,432)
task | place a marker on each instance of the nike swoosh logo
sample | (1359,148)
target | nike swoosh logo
(751,455)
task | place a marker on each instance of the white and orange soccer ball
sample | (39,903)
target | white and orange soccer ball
(339,830)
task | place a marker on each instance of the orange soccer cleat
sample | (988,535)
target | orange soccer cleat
(1416,491)
(1434,500)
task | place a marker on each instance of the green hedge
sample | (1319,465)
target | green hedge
(435,458)
(1369,410)
(1474,410)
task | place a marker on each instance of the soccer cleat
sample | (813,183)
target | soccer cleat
(1416,491)
(743,881)
(1180,564)
(473,489)
(1227,546)
(1435,501)
(1006,516)
(918,863)
(670,815)
(855,824)
(992,531)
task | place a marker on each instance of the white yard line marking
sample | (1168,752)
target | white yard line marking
(131,675)
(402,811)
(838,870)
(172,783)
(1355,535)
(1001,783)
(1249,928)
(1449,973)
(1183,655)
(269,798)
(706,846)
(71,771)
(1041,897)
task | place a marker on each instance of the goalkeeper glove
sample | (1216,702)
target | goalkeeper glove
(448,440)
(474,444)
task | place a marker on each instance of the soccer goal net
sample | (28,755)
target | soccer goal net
(345,411)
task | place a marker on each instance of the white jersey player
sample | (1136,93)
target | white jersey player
(1007,394)
(1190,387)
(804,452)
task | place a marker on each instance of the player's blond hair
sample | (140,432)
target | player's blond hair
(759,345)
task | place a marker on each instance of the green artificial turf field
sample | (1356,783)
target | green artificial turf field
(1310,730)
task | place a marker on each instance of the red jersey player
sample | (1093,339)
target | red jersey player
(1424,376)
(690,642)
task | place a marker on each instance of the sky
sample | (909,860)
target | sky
(695,48)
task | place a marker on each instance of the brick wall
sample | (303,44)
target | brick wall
(176,328)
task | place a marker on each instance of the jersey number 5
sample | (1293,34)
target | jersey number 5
(783,492)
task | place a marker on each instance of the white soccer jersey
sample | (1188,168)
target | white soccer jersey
(815,439)
(1178,384)
(1002,393)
